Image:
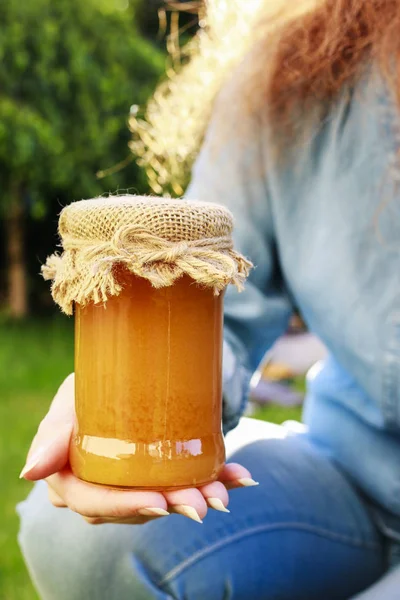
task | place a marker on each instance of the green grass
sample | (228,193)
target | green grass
(274,413)
(34,359)
(278,414)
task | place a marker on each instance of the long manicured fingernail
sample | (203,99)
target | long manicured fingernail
(153,512)
(217,504)
(187,511)
(32,462)
(247,482)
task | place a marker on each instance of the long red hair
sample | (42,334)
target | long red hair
(320,52)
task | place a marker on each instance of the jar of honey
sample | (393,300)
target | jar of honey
(145,278)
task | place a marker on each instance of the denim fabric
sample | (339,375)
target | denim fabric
(322,225)
(304,533)
(321,222)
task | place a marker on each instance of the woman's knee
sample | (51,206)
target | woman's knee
(37,533)
(47,537)
(68,558)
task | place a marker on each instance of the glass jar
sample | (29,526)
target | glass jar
(146,278)
(148,387)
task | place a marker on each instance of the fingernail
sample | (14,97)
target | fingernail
(32,462)
(247,482)
(153,512)
(217,504)
(187,511)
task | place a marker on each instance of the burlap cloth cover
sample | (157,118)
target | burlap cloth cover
(155,238)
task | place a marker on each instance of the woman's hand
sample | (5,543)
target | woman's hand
(48,459)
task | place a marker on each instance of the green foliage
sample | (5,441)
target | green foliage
(69,71)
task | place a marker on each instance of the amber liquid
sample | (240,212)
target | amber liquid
(148,387)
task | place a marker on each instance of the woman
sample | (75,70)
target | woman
(303,148)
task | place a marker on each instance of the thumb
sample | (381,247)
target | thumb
(49,451)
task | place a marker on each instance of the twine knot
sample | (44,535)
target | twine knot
(85,271)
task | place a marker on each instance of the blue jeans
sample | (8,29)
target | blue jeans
(304,533)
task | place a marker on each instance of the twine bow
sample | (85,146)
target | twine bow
(85,270)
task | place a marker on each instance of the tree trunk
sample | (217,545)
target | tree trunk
(17,276)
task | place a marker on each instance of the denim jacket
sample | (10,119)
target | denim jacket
(322,227)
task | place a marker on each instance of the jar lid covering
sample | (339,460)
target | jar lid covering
(156,238)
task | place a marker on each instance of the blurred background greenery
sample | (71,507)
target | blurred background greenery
(70,71)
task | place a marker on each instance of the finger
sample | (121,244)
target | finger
(55,499)
(94,501)
(50,447)
(189,503)
(234,475)
(216,496)
(127,521)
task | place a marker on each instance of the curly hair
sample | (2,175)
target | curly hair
(318,54)
(305,52)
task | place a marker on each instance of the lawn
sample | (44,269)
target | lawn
(34,359)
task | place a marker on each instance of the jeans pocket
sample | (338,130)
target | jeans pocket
(391,375)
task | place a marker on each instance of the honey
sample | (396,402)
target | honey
(148,386)
(145,278)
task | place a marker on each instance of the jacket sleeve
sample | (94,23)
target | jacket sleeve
(231,170)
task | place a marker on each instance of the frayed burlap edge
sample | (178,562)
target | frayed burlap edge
(85,271)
